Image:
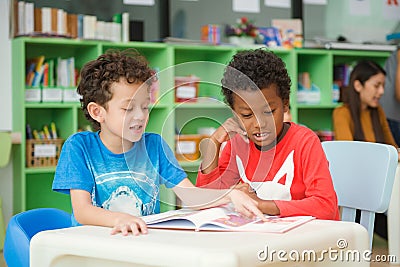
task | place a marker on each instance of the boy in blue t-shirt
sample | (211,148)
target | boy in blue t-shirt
(113,175)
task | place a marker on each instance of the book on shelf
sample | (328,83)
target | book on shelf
(222,218)
(34,70)
(394,37)
(72,25)
(121,21)
(291,32)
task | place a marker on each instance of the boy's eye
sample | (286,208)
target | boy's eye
(127,109)
(246,115)
(269,112)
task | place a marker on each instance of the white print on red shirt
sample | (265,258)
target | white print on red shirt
(273,190)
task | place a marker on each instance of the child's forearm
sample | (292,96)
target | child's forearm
(200,198)
(91,215)
(209,149)
(268,207)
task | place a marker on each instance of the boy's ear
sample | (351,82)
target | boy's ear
(96,111)
(286,105)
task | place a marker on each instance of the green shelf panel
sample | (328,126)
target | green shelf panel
(203,48)
(320,106)
(55,41)
(82,122)
(39,193)
(40,170)
(51,105)
(206,64)
(359,53)
(188,121)
(81,51)
(313,64)
(64,119)
(158,106)
(161,121)
(190,164)
(167,199)
(144,45)
(316,119)
(155,53)
(201,105)
(351,57)
(191,168)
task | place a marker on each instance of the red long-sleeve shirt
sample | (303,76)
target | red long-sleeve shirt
(297,163)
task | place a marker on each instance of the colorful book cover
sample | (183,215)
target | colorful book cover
(291,31)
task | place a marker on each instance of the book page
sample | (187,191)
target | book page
(168,215)
(222,219)
(276,224)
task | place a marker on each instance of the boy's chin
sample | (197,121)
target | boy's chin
(263,143)
(133,138)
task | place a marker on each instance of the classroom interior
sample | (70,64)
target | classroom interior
(173,33)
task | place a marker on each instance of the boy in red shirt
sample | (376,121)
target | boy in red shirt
(286,170)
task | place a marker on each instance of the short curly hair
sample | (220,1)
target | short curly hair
(255,70)
(98,75)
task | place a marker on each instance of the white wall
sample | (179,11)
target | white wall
(5,104)
(372,28)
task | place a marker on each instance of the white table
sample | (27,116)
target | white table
(394,219)
(94,246)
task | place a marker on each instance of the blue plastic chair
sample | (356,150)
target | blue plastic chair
(363,174)
(23,226)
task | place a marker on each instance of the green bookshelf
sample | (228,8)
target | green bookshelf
(32,186)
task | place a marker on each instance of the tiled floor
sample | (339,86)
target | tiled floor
(379,248)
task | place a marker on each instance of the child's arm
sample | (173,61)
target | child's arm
(210,147)
(86,213)
(200,198)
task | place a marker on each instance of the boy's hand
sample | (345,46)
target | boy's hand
(247,189)
(227,130)
(126,223)
(244,204)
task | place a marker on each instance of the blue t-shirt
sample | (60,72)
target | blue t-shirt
(127,182)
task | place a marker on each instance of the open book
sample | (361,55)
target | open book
(222,219)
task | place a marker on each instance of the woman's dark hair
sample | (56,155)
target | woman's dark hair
(255,70)
(362,72)
(98,75)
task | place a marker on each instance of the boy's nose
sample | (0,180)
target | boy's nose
(140,114)
(260,123)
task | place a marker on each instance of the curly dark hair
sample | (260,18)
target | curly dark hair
(255,70)
(98,75)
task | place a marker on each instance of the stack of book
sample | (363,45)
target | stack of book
(29,20)
(51,79)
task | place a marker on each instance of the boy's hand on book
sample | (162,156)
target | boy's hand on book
(244,204)
(247,189)
(126,223)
